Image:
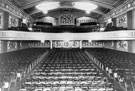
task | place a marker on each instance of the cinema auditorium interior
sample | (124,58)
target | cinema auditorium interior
(67,45)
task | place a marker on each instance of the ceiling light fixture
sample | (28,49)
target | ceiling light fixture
(46,6)
(87,12)
(42,41)
(89,40)
(85,6)
(45,11)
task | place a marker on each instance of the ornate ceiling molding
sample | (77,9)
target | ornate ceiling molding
(99,3)
(95,11)
(123,8)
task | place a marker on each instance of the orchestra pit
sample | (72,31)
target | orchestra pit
(67,45)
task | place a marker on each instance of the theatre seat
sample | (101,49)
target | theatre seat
(67,70)
(17,62)
(117,64)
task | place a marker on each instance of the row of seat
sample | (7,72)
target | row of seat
(114,28)
(64,68)
(119,65)
(15,62)
(60,29)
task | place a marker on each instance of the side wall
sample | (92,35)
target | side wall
(11,16)
(123,16)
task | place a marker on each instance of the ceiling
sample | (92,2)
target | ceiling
(104,6)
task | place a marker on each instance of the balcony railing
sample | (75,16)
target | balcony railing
(115,35)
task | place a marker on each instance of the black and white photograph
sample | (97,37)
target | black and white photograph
(67,45)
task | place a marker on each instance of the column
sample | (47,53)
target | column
(131,23)
(51,45)
(6,20)
(80,44)
(18,45)
(114,22)
(133,19)
(115,45)
(131,46)
(130,19)
(4,46)
(19,22)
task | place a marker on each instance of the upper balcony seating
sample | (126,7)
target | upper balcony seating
(42,24)
(47,27)
(57,29)
(66,70)
(89,24)
(61,29)
(114,28)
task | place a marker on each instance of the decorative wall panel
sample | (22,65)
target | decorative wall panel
(92,44)
(109,44)
(66,19)
(66,44)
(122,45)
(13,22)
(11,46)
(1,20)
(122,21)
